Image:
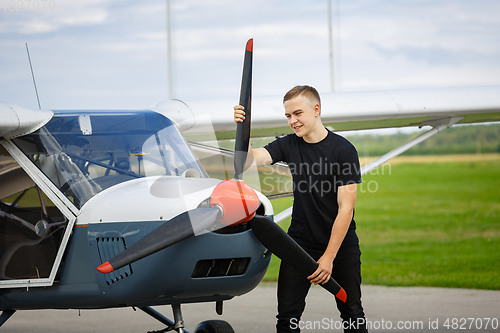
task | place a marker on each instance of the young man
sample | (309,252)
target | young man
(325,170)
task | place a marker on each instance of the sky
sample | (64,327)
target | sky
(110,54)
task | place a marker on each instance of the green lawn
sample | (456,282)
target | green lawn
(435,224)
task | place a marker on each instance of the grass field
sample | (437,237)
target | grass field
(428,224)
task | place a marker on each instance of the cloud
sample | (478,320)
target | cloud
(448,25)
(52,15)
(109,53)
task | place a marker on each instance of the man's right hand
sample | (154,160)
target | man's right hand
(239,113)
(261,155)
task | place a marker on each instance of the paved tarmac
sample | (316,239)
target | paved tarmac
(388,309)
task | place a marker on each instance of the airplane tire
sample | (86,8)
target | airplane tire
(214,326)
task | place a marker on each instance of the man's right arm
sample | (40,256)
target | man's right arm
(260,155)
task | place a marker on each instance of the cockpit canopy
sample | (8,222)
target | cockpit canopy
(83,153)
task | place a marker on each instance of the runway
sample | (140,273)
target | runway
(388,309)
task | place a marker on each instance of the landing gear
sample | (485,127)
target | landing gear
(178,325)
(209,326)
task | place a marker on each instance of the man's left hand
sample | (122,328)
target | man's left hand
(324,271)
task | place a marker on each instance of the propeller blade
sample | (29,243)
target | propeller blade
(243,128)
(173,231)
(284,247)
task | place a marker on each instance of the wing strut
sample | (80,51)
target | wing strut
(437,126)
(283,215)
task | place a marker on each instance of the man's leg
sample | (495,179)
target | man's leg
(347,272)
(292,291)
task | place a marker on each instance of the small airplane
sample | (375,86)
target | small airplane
(116,208)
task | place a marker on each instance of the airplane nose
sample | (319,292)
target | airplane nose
(236,200)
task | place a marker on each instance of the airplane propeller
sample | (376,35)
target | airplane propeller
(232,202)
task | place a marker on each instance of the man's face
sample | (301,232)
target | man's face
(301,114)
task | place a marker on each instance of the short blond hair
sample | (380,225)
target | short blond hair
(307,91)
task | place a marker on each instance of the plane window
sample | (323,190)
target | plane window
(31,232)
(83,156)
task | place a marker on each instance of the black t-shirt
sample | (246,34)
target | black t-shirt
(318,169)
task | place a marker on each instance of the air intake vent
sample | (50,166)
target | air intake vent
(108,248)
(220,267)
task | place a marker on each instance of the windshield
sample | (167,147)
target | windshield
(85,153)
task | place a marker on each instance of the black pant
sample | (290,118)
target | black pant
(294,286)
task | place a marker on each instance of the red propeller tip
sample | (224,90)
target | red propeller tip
(250,45)
(105,268)
(341,295)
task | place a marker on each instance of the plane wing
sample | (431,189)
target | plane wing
(348,111)
(340,112)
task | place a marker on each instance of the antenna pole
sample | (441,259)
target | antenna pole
(169,52)
(339,43)
(33,75)
(330,40)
